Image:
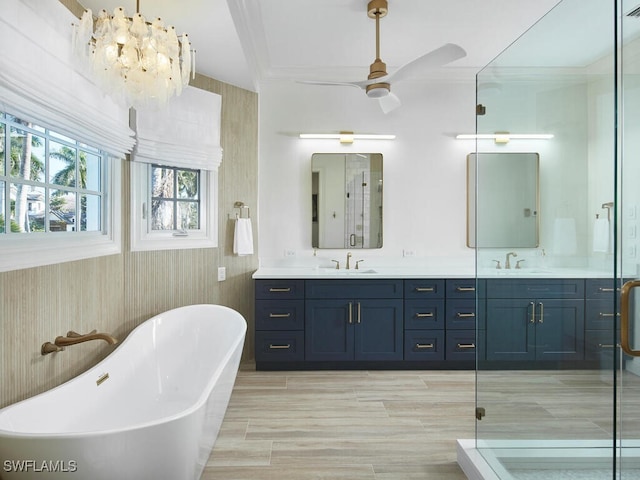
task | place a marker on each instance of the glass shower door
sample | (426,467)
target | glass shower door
(547,360)
(628,217)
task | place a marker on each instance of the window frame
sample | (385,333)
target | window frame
(145,239)
(36,249)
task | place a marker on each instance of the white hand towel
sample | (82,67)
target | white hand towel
(601,235)
(243,237)
(564,236)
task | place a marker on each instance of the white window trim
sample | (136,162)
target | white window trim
(27,250)
(143,239)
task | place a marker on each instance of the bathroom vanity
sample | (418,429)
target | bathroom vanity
(350,320)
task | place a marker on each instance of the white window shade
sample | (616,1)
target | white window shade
(185,133)
(41,81)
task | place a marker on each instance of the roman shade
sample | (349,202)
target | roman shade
(42,82)
(185,133)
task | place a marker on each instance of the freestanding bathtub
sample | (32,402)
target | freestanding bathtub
(150,410)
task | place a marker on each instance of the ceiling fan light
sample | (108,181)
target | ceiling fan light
(378,90)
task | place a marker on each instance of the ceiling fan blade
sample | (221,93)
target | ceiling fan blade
(362,84)
(389,102)
(436,58)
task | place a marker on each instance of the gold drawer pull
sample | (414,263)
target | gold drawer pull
(465,289)
(279,347)
(425,289)
(274,289)
(279,315)
(466,345)
(423,315)
(465,315)
(424,345)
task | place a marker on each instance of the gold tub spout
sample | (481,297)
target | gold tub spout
(72,338)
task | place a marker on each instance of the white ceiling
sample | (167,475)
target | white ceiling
(246,42)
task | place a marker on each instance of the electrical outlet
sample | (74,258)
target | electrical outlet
(408,253)
(289,253)
(222,274)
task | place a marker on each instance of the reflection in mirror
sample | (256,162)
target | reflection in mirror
(504,211)
(346,200)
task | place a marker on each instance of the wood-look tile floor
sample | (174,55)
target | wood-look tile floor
(351,425)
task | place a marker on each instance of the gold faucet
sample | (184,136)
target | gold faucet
(507,264)
(348,260)
(72,338)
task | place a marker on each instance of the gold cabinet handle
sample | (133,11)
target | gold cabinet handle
(279,315)
(350,313)
(541,319)
(625,331)
(465,289)
(532,319)
(466,345)
(358,318)
(424,315)
(422,346)
(274,289)
(603,315)
(465,315)
(425,289)
(279,347)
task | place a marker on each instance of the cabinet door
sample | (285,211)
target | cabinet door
(328,333)
(559,329)
(510,330)
(378,329)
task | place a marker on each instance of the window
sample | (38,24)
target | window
(173,207)
(54,203)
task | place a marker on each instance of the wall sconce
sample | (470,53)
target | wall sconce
(504,137)
(347,137)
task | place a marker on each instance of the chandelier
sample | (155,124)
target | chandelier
(139,63)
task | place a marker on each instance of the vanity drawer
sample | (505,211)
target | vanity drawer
(353,289)
(600,315)
(277,346)
(461,288)
(424,345)
(461,314)
(601,288)
(424,314)
(599,345)
(461,345)
(427,288)
(279,314)
(535,288)
(276,289)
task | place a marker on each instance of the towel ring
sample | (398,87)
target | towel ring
(244,210)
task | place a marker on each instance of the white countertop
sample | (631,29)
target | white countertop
(423,272)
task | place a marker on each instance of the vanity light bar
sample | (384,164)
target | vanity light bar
(346,137)
(508,136)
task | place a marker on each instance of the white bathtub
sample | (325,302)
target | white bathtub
(156,416)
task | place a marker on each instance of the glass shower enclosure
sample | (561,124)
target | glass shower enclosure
(558,378)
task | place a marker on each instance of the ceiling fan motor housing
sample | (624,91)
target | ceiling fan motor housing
(376,90)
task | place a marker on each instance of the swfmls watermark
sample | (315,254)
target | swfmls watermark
(40,466)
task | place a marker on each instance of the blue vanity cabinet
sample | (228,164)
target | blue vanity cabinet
(279,320)
(347,320)
(602,320)
(535,320)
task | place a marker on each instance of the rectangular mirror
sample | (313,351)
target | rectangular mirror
(346,199)
(504,211)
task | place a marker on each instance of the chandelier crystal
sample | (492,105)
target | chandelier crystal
(139,63)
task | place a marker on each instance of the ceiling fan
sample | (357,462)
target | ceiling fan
(378,83)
